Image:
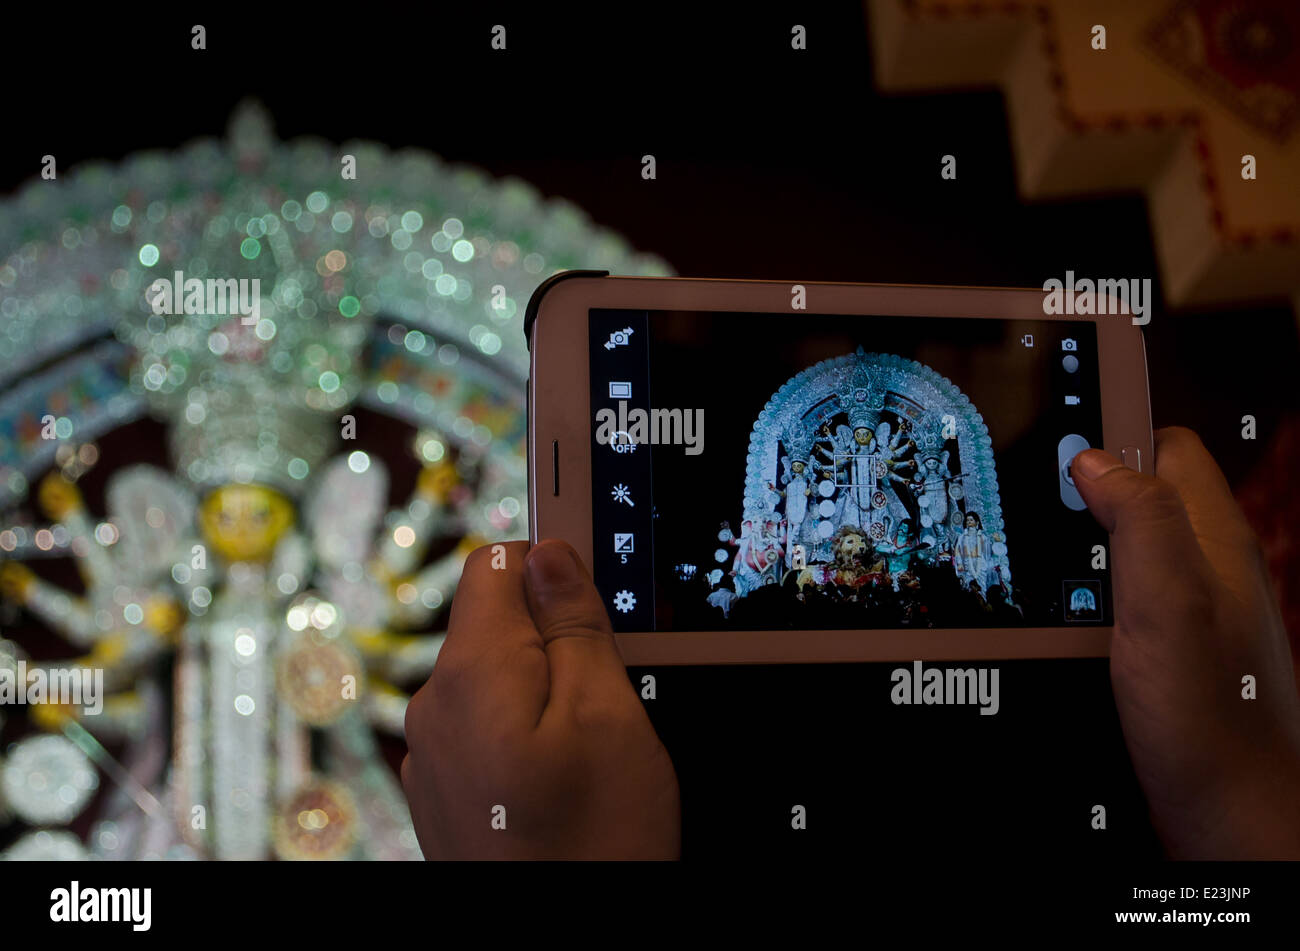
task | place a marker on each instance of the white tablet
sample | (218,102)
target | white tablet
(777,472)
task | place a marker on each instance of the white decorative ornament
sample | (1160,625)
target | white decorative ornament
(47,780)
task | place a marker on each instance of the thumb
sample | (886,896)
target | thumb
(1155,554)
(570,616)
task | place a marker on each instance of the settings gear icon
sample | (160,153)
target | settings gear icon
(624,602)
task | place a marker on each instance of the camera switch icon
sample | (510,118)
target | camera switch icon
(618,338)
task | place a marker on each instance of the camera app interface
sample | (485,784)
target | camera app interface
(762,471)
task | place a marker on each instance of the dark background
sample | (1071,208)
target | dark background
(771,164)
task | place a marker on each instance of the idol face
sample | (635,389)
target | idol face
(244,522)
(972,520)
(862,435)
(437,481)
(798,468)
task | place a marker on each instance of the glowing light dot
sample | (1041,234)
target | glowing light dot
(406,592)
(245,645)
(313,819)
(133,613)
(323,615)
(358,461)
(218,343)
(404,536)
(149,255)
(244,705)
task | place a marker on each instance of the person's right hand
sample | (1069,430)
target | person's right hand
(1195,614)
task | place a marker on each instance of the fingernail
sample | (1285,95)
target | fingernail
(1093,464)
(551,564)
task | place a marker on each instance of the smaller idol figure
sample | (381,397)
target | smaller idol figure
(796,492)
(972,554)
(899,551)
(930,486)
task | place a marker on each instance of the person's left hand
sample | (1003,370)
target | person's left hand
(529,708)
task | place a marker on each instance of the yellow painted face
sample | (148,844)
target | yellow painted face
(437,480)
(244,522)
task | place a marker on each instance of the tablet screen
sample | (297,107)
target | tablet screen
(756,471)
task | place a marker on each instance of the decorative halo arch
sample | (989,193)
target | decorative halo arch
(877,382)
